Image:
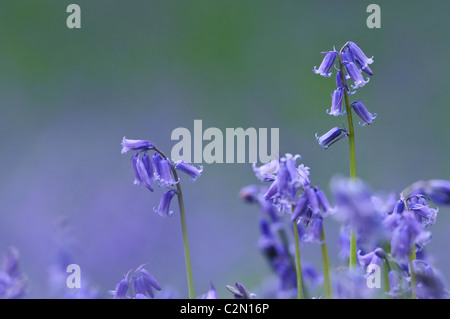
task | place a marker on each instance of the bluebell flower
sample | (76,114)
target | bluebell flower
(315,231)
(327,63)
(419,205)
(359,55)
(285,188)
(347,56)
(361,110)
(407,231)
(156,159)
(430,284)
(143,170)
(150,283)
(164,204)
(137,284)
(311,205)
(298,176)
(271,191)
(121,290)
(331,137)
(192,171)
(240,292)
(164,173)
(13,282)
(336,103)
(136,145)
(355,75)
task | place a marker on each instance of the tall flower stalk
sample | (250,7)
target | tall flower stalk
(353,62)
(160,168)
(291,192)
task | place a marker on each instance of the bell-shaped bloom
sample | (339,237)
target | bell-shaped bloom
(355,75)
(192,171)
(298,176)
(149,283)
(164,204)
(327,63)
(347,56)
(359,54)
(423,211)
(136,145)
(407,233)
(121,290)
(361,110)
(143,171)
(331,137)
(315,231)
(337,98)
(164,173)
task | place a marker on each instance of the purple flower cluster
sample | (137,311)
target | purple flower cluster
(352,63)
(137,284)
(400,225)
(158,169)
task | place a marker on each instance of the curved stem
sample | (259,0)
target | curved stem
(351,143)
(326,266)
(297,262)
(187,254)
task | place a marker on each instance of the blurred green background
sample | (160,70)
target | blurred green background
(143,68)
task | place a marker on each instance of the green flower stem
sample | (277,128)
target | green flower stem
(187,254)
(412,257)
(351,143)
(326,266)
(387,268)
(297,262)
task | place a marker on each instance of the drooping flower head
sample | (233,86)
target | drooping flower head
(331,137)
(190,170)
(361,110)
(136,145)
(137,284)
(355,75)
(164,205)
(327,63)
(360,56)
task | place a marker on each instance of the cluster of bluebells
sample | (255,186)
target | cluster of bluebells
(137,284)
(13,282)
(274,243)
(157,169)
(291,192)
(401,225)
(352,63)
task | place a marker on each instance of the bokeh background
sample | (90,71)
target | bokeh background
(143,68)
